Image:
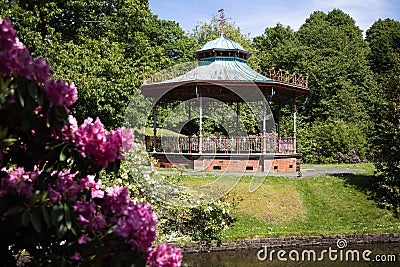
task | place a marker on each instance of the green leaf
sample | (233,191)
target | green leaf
(20,97)
(3,133)
(62,229)
(74,231)
(40,98)
(63,156)
(14,210)
(8,142)
(46,216)
(25,219)
(36,223)
(52,146)
(57,214)
(67,217)
(33,90)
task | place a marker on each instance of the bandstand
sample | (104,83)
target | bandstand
(222,73)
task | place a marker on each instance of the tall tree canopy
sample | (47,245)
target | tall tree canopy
(102,46)
(336,58)
(384,40)
(387,142)
(330,47)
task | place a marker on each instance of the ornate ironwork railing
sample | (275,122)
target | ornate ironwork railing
(213,144)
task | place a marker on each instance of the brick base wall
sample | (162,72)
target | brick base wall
(284,165)
(234,165)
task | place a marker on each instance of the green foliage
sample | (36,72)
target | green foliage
(105,47)
(383,38)
(332,142)
(205,221)
(336,59)
(278,46)
(330,48)
(202,222)
(387,142)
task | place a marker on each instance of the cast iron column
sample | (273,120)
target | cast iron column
(155,126)
(201,121)
(294,124)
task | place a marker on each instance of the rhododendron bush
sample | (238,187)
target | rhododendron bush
(53,207)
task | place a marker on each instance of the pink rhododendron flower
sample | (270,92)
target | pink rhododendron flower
(89,183)
(16,59)
(93,141)
(128,139)
(89,215)
(7,34)
(83,239)
(61,93)
(165,255)
(76,257)
(68,130)
(138,226)
(91,138)
(54,196)
(116,199)
(66,185)
(19,182)
(41,70)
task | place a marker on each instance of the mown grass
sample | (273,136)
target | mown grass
(322,205)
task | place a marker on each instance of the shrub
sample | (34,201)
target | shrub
(332,142)
(52,204)
(186,222)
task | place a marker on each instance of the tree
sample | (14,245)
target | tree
(383,38)
(279,47)
(106,47)
(336,59)
(387,142)
(331,49)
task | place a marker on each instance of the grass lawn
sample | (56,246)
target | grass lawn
(322,205)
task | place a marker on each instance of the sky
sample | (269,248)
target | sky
(253,16)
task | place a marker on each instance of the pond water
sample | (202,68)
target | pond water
(377,254)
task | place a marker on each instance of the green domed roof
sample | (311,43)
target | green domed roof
(222,43)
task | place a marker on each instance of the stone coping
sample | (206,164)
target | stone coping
(284,242)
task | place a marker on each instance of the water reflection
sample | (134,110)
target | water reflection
(244,258)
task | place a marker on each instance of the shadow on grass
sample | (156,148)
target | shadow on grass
(362,182)
(367,184)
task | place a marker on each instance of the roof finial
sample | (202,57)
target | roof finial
(221,20)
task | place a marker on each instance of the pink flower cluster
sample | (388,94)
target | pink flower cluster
(65,187)
(164,256)
(89,183)
(116,199)
(135,223)
(61,93)
(138,226)
(15,58)
(18,182)
(93,141)
(89,215)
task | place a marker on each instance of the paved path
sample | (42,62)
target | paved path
(308,171)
